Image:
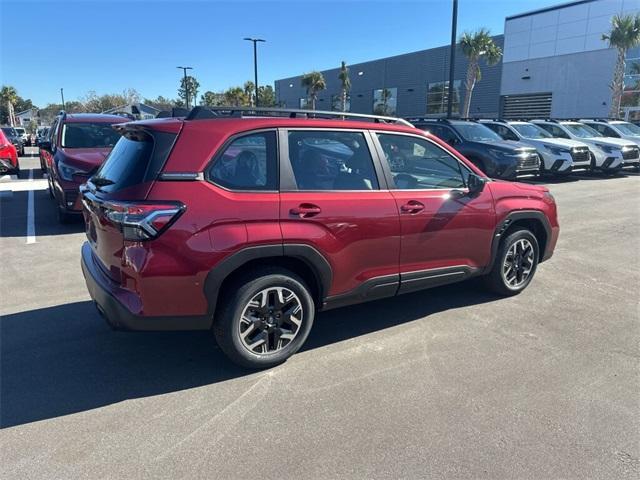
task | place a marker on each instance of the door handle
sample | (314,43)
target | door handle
(305,210)
(412,206)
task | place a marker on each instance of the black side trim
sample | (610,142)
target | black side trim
(314,259)
(509,219)
(372,289)
(414,281)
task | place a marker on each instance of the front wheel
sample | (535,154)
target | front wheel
(265,318)
(515,263)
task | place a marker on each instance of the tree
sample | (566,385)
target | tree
(624,34)
(9,98)
(267,96)
(236,97)
(188,90)
(477,46)
(249,92)
(160,102)
(345,83)
(314,83)
(212,99)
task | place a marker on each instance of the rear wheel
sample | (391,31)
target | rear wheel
(265,318)
(515,263)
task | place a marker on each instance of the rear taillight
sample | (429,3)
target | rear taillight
(142,221)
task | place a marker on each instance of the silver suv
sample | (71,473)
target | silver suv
(618,129)
(607,154)
(560,156)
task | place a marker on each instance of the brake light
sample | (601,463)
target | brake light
(142,221)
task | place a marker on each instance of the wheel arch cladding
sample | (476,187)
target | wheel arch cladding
(533,220)
(303,260)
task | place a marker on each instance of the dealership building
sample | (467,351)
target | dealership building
(555,63)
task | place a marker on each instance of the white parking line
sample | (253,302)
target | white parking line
(31,218)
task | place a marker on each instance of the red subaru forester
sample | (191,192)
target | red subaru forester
(248,221)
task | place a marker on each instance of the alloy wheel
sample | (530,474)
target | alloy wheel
(271,320)
(518,263)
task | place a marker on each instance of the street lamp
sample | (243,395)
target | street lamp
(255,61)
(452,56)
(186,84)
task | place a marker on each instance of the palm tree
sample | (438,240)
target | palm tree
(624,34)
(382,107)
(476,46)
(346,84)
(314,83)
(249,92)
(9,96)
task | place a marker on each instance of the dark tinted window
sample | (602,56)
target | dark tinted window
(248,163)
(553,130)
(416,163)
(324,160)
(88,135)
(137,158)
(443,133)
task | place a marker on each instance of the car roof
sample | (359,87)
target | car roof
(94,117)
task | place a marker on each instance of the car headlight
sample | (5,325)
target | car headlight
(67,171)
(606,148)
(556,150)
(505,154)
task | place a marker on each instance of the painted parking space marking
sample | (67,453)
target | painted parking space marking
(31,217)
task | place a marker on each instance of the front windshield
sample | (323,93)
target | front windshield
(9,131)
(88,135)
(529,130)
(475,132)
(581,131)
(20,130)
(628,128)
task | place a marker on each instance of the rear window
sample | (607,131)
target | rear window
(136,158)
(88,135)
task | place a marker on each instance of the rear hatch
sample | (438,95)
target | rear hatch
(114,199)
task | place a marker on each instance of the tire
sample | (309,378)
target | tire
(232,317)
(496,279)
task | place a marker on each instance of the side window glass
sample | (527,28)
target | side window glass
(52,133)
(324,160)
(419,164)
(507,134)
(560,133)
(247,163)
(610,132)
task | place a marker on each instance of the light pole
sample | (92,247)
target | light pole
(255,61)
(452,56)
(186,84)
(62,95)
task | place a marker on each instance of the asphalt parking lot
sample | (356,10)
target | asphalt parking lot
(447,383)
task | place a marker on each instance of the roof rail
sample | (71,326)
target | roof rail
(174,112)
(201,112)
(429,119)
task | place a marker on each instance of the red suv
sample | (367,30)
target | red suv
(247,222)
(77,145)
(8,156)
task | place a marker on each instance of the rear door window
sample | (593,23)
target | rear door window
(331,160)
(248,163)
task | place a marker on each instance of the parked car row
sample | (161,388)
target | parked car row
(509,148)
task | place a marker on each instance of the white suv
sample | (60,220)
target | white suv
(559,156)
(618,129)
(607,154)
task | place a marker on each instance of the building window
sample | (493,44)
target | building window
(336,103)
(438,96)
(631,94)
(385,101)
(304,103)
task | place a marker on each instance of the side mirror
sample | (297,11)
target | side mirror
(475,184)
(45,145)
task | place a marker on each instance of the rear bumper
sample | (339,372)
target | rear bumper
(107,297)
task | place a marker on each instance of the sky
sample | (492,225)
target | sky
(109,46)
